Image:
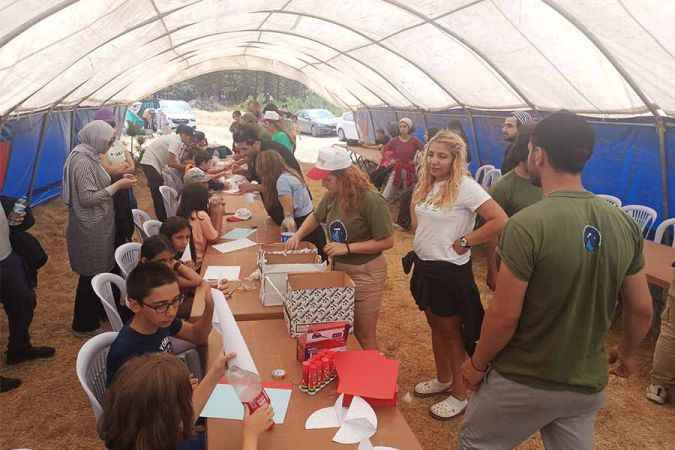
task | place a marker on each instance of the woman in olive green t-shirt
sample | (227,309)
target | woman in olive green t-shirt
(359,230)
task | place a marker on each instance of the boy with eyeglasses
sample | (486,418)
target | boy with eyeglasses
(154,297)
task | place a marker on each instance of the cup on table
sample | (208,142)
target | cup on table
(286,235)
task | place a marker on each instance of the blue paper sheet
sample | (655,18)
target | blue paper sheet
(238,233)
(224,403)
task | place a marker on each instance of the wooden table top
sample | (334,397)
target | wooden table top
(393,430)
(245,305)
(371,154)
(658,263)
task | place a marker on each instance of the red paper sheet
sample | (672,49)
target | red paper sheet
(367,374)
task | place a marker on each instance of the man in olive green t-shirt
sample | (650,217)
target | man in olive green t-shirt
(565,260)
(513,192)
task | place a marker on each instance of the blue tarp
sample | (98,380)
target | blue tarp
(24,134)
(625,161)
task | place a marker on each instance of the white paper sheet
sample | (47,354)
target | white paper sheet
(217,273)
(356,423)
(187,254)
(233,341)
(233,246)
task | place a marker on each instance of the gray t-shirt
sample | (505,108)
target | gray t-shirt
(287,184)
(5,245)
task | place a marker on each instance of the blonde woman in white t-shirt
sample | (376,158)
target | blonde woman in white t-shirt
(443,211)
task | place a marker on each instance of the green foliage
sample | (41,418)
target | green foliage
(215,90)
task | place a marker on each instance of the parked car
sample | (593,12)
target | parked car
(346,127)
(177,112)
(317,122)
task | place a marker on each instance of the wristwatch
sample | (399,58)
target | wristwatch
(464,242)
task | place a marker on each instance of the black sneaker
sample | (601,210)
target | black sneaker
(29,354)
(7,384)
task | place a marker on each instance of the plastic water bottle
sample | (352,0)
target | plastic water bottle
(249,388)
(18,212)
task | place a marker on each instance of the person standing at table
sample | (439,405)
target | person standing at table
(88,193)
(118,161)
(205,217)
(540,363)
(443,211)
(154,161)
(178,158)
(285,186)
(359,230)
(513,192)
(274,127)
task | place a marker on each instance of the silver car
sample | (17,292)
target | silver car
(317,122)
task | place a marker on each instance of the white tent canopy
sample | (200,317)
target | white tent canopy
(605,57)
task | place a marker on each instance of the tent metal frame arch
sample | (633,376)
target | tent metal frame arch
(379,44)
(289,33)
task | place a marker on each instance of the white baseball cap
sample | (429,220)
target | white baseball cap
(330,159)
(271,115)
(196,175)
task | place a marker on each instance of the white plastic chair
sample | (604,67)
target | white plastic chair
(140,217)
(491,178)
(102,285)
(661,231)
(151,227)
(91,368)
(482,172)
(170,197)
(616,201)
(644,216)
(127,257)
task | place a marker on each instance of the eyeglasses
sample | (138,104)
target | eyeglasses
(163,308)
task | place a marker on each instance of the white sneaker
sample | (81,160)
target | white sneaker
(657,393)
(448,408)
(431,388)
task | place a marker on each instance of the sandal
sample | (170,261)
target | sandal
(432,387)
(448,408)
(657,393)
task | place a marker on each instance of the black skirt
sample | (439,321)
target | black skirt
(447,289)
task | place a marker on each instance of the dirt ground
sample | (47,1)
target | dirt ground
(50,411)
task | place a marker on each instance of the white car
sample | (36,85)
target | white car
(178,112)
(346,127)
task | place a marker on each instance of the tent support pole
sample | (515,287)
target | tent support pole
(663,157)
(38,153)
(72,129)
(372,125)
(475,135)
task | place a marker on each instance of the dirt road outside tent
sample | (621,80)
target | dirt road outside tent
(51,412)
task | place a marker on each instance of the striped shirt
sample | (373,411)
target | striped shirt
(91,219)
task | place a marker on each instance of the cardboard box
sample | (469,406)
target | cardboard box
(275,263)
(326,336)
(321,297)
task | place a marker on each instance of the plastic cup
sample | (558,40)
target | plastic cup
(286,235)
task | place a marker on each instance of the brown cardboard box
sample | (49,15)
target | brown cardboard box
(275,264)
(318,298)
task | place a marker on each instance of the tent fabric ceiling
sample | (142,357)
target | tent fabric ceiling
(604,57)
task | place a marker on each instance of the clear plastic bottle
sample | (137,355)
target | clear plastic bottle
(18,212)
(248,387)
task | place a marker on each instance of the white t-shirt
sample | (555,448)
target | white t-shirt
(157,153)
(438,228)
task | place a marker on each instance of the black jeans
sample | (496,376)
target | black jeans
(19,300)
(155,180)
(88,312)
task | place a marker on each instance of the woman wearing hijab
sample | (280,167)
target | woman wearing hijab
(88,192)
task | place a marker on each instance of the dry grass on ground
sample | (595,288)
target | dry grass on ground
(50,411)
